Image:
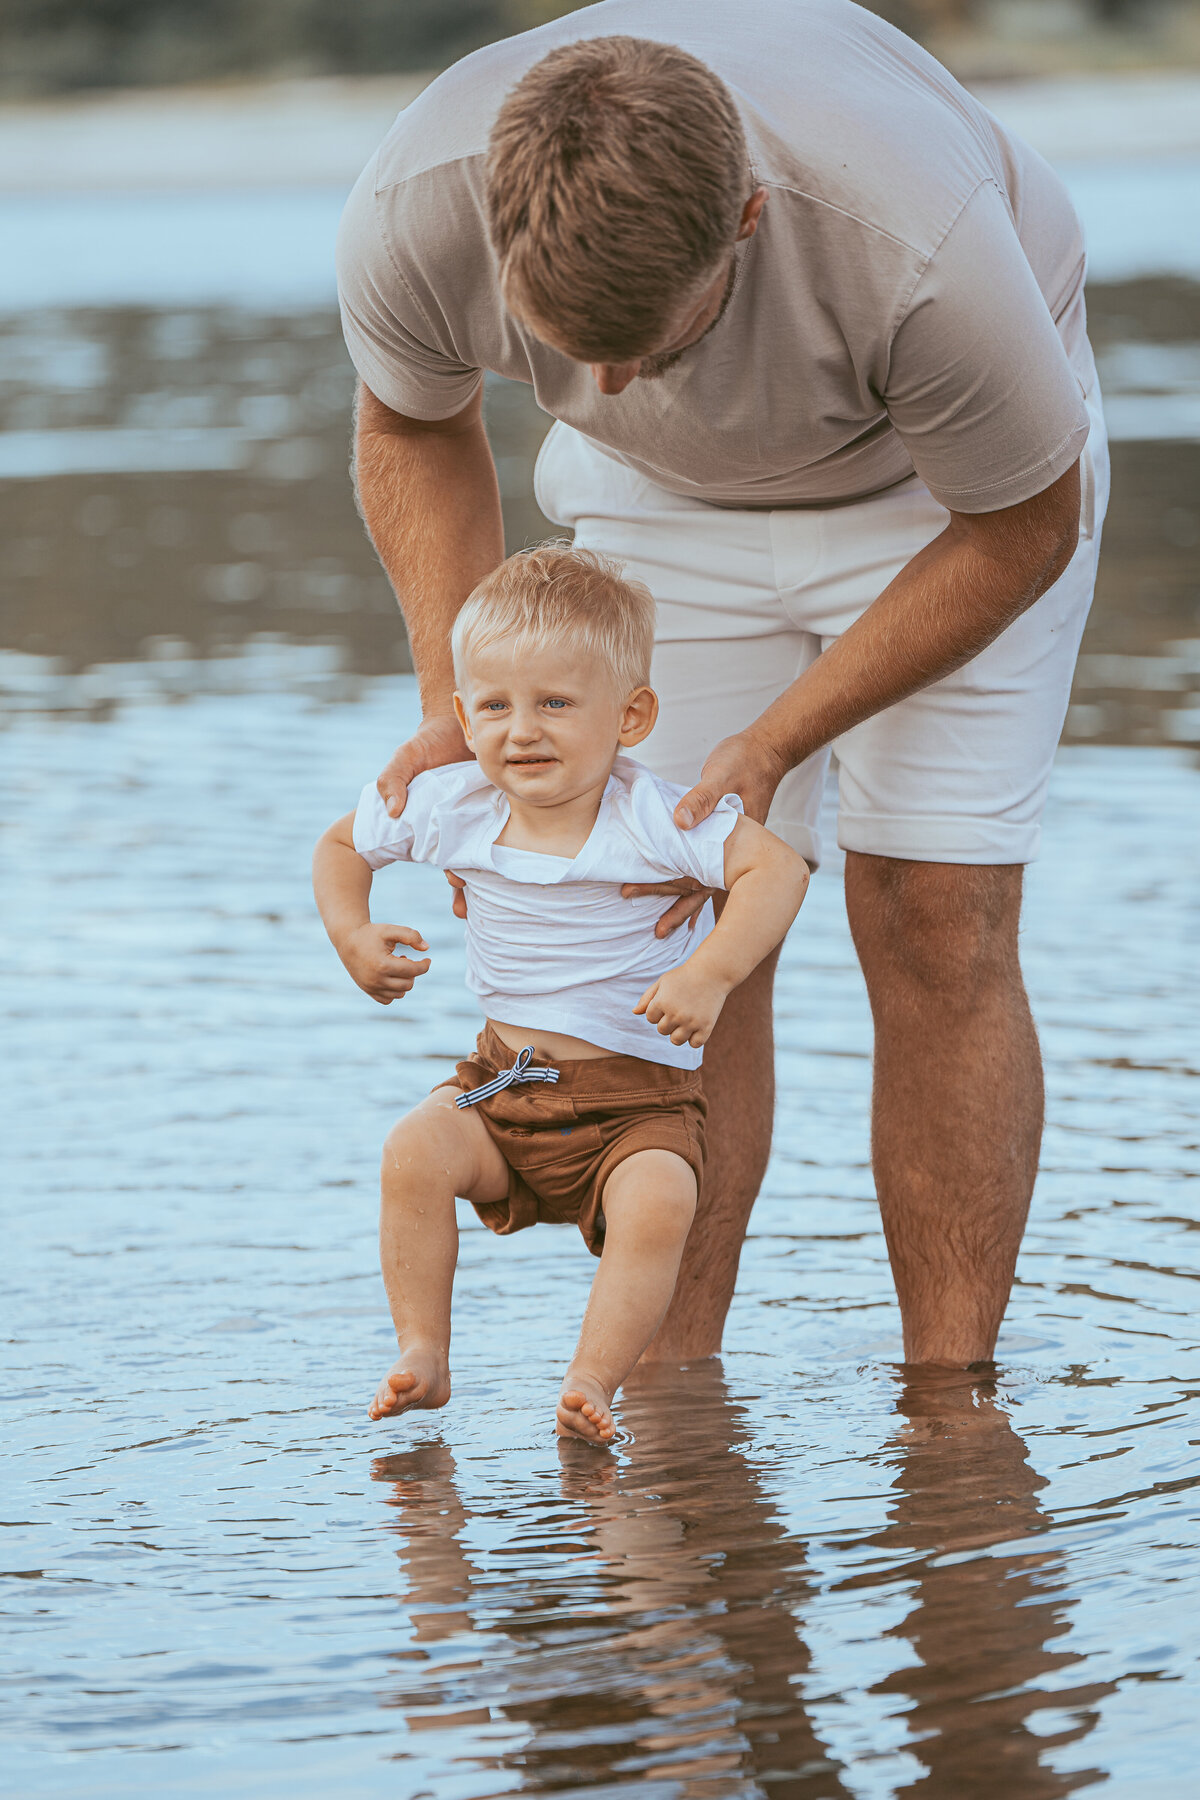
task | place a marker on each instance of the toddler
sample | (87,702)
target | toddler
(582,1099)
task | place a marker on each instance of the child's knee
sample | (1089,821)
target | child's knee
(422,1136)
(656,1188)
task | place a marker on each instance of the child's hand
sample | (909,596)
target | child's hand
(367,954)
(683,1005)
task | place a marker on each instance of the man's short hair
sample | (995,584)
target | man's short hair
(556,594)
(616,176)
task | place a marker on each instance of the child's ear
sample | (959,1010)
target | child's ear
(460,713)
(637,721)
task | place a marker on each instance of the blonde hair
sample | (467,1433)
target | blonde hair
(616,176)
(557,594)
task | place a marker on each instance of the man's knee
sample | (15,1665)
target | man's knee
(947,931)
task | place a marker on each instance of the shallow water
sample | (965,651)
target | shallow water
(793,1576)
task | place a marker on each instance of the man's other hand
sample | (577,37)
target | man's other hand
(687,909)
(436,741)
(745,765)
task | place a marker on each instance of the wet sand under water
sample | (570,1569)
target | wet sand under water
(793,1576)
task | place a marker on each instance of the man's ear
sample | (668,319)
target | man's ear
(751,214)
(637,721)
(460,713)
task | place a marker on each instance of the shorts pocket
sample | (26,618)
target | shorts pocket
(528,1148)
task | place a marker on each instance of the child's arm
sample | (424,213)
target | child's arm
(766,882)
(342,885)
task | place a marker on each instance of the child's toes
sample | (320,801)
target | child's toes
(601,1419)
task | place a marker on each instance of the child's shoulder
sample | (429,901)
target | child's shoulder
(643,804)
(638,788)
(448,783)
(444,811)
(641,793)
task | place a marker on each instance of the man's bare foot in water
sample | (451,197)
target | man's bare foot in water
(419,1379)
(583,1410)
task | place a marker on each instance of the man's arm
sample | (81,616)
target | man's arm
(950,602)
(427,492)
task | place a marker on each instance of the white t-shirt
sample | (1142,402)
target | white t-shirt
(551,943)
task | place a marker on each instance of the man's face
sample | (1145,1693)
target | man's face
(699,318)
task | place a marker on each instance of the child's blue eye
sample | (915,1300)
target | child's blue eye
(556,703)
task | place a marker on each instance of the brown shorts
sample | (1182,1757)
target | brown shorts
(563,1140)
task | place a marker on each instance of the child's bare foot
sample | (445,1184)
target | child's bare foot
(419,1379)
(583,1410)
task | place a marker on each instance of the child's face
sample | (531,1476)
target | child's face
(546,725)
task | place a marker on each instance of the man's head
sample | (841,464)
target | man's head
(618,183)
(551,658)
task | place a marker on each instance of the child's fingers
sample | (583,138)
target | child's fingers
(402,971)
(644,1003)
(403,934)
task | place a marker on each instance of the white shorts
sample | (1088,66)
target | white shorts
(747,600)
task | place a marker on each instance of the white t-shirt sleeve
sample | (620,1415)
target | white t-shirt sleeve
(699,852)
(417,835)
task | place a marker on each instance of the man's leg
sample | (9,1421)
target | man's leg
(957,1114)
(739,1085)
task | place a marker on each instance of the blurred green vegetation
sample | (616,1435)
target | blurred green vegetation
(56,46)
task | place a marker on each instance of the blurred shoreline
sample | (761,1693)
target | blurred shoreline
(176,512)
(319,132)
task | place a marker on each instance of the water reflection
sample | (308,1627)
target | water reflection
(653,1630)
(656,1640)
(989,1603)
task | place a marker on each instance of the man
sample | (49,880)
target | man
(811,327)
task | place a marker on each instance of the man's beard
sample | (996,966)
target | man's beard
(653,368)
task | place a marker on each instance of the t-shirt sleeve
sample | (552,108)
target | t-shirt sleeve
(417,835)
(392,344)
(979,385)
(699,852)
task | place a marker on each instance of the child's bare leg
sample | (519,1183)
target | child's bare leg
(649,1201)
(434,1153)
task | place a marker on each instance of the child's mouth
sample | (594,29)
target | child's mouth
(531,762)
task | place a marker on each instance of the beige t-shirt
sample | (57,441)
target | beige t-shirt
(912,299)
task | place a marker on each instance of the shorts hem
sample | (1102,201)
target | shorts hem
(925,838)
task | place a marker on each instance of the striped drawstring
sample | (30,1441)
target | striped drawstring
(520,1071)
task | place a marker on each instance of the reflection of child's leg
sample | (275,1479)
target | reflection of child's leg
(433,1154)
(649,1200)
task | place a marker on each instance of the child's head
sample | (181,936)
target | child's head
(551,659)
(577,600)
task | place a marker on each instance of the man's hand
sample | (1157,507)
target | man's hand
(683,1005)
(692,901)
(367,955)
(744,765)
(436,741)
